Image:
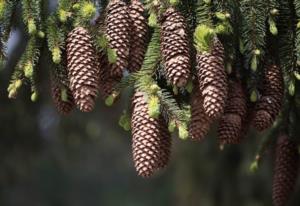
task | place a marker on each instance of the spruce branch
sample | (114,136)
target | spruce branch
(84,12)
(150,64)
(32,15)
(55,38)
(287,54)
(203,12)
(6,12)
(25,69)
(254,15)
(64,10)
(297,43)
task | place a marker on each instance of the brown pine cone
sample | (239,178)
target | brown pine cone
(213,80)
(175,47)
(151,140)
(230,129)
(64,106)
(83,72)
(139,32)
(200,122)
(117,25)
(269,106)
(286,170)
(107,83)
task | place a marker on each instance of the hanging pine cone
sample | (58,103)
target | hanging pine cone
(107,83)
(151,140)
(83,72)
(175,47)
(139,31)
(64,106)
(118,34)
(230,129)
(286,170)
(270,104)
(200,122)
(213,80)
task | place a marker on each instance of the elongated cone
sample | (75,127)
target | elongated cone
(230,129)
(117,25)
(151,142)
(64,106)
(270,103)
(213,80)
(286,170)
(175,47)
(107,83)
(139,33)
(200,122)
(83,72)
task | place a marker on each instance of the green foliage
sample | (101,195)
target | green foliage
(124,121)
(203,12)
(64,10)
(87,10)
(286,35)
(151,61)
(8,8)
(297,10)
(26,68)
(55,38)
(254,16)
(6,11)
(2,9)
(153,106)
(84,12)
(32,15)
(203,38)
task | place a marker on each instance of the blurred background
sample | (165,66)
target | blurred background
(85,159)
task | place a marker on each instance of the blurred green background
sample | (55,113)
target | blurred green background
(85,159)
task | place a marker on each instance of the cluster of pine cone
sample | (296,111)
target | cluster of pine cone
(214,97)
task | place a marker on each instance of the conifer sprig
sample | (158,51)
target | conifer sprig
(254,15)
(204,13)
(6,12)
(32,15)
(150,64)
(55,38)
(297,9)
(287,54)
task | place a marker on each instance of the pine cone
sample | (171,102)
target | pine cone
(151,142)
(286,170)
(139,31)
(200,122)
(269,106)
(213,80)
(175,47)
(230,129)
(64,106)
(107,83)
(83,72)
(118,34)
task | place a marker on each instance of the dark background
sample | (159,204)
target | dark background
(85,159)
